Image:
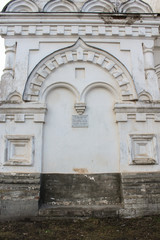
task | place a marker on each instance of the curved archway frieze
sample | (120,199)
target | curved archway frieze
(135,6)
(60,6)
(98,6)
(79,52)
(21,6)
(130,6)
(144,96)
(79,97)
(60,85)
(97,85)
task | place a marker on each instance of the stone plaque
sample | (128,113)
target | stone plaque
(79,121)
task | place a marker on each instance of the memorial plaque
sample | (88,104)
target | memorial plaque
(79,121)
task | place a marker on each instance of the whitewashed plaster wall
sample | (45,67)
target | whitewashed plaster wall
(21,137)
(139,137)
(94,148)
(124,50)
(92,69)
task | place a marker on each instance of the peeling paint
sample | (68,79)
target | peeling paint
(80,170)
(90,178)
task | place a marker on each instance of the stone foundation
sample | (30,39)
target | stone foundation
(80,189)
(79,195)
(19,195)
(141,194)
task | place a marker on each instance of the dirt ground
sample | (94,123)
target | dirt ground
(88,229)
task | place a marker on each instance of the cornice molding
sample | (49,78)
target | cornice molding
(90,25)
(23,112)
(139,112)
(11,19)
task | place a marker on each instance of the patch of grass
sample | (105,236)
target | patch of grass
(147,228)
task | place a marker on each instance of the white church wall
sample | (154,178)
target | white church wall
(21,138)
(144,147)
(79,103)
(91,148)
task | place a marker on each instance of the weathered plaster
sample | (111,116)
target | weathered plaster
(80,103)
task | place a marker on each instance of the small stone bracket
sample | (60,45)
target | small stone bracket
(80,108)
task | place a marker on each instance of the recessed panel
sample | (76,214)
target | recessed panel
(19,150)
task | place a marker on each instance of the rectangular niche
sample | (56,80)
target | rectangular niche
(143,149)
(80,73)
(19,150)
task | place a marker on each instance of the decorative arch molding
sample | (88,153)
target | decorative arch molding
(21,6)
(135,6)
(60,85)
(97,85)
(80,52)
(144,96)
(14,97)
(130,6)
(60,6)
(98,6)
(158,72)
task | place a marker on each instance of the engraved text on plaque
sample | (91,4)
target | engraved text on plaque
(79,121)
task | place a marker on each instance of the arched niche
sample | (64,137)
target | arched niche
(21,6)
(144,96)
(101,85)
(63,85)
(135,6)
(80,53)
(78,78)
(157,67)
(70,149)
(14,97)
(60,6)
(57,147)
(98,6)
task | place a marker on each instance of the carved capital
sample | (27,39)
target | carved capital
(10,48)
(80,108)
(148,46)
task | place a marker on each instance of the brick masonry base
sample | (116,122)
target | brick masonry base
(72,195)
(80,189)
(19,195)
(141,194)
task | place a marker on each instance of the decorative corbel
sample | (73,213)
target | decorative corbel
(80,108)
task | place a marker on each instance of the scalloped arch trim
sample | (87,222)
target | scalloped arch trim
(96,85)
(61,85)
(144,96)
(79,52)
(21,6)
(14,97)
(98,6)
(135,6)
(60,6)
(130,6)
